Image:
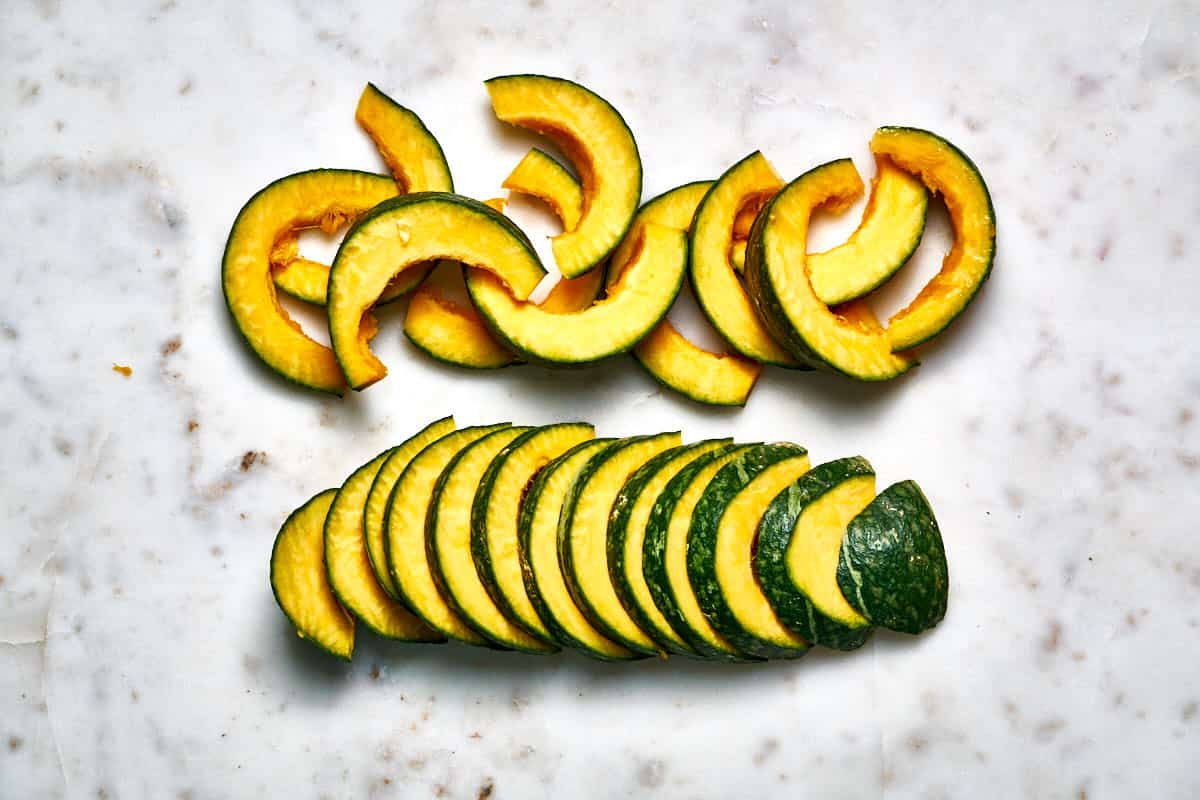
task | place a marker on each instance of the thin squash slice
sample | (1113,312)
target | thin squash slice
(495,511)
(544,579)
(296,201)
(627,537)
(540,175)
(375,505)
(349,568)
(299,582)
(721,544)
(848,339)
(583,536)
(600,147)
(718,289)
(448,539)
(405,232)
(799,542)
(947,171)
(404,528)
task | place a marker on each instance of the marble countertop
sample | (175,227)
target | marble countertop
(1054,428)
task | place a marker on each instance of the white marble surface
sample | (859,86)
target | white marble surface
(1054,429)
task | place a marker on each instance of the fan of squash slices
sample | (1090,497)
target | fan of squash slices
(469,271)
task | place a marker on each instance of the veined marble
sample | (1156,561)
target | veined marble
(1054,428)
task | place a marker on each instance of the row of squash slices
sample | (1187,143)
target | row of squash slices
(741,240)
(535,539)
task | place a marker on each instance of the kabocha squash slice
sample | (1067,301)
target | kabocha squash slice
(404,529)
(721,543)
(405,232)
(848,339)
(583,537)
(600,147)
(799,543)
(375,505)
(664,555)
(299,582)
(495,512)
(349,568)
(544,579)
(718,289)
(296,201)
(634,305)
(947,171)
(627,536)
(541,176)
(892,565)
(448,540)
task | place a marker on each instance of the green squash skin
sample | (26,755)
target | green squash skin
(775,534)
(566,557)
(654,551)
(702,544)
(892,566)
(618,532)
(524,527)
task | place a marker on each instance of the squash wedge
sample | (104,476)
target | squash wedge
(799,542)
(541,176)
(402,233)
(719,291)
(495,511)
(947,171)
(540,564)
(721,543)
(296,201)
(849,339)
(349,568)
(300,585)
(600,147)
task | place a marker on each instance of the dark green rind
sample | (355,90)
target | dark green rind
(224,265)
(567,559)
(892,566)
(618,532)
(900,262)
(702,545)
(683,390)
(791,605)
(654,550)
(421,124)
(275,592)
(524,523)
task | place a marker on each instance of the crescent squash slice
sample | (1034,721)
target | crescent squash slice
(375,504)
(496,508)
(847,339)
(600,147)
(718,289)
(947,171)
(401,234)
(540,564)
(664,555)
(799,541)
(297,201)
(721,544)
(583,536)
(448,539)
(405,525)
(627,536)
(349,568)
(892,564)
(299,582)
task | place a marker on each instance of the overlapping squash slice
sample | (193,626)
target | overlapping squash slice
(401,234)
(848,339)
(600,147)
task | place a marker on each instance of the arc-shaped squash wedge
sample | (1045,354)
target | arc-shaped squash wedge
(541,176)
(297,201)
(634,305)
(847,340)
(599,145)
(719,291)
(948,171)
(408,231)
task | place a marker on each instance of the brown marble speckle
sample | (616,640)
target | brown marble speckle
(439,790)
(186,87)
(1188,712)
(9,332)
(171,346)
(1186,415)
(916,743)
(1046,731)
(250,458)
(767,749)
(374,673)
(15,743)
(1053,636)
(192,425)
(485,791)
(63,445)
